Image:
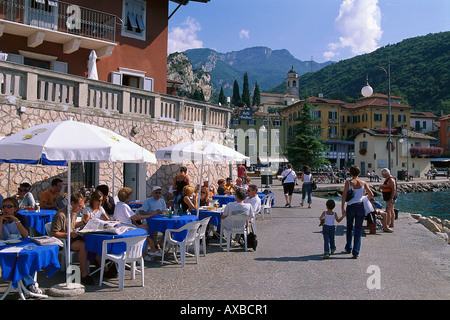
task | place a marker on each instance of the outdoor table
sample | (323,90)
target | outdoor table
(215,216)
(93,241)
(160,223)
(261,195)
(36,220)
(135,205)
(15,266)
(224,199)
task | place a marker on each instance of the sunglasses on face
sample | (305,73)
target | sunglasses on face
(8,206)
(158,192)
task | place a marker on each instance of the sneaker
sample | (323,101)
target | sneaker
(33,288)
(326,256)
(155,254)
(333,251)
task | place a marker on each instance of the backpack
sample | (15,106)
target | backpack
(252,241)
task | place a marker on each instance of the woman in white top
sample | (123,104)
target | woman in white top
(95,210)
(307,186)
(24,196)
(289,177)
(355,210)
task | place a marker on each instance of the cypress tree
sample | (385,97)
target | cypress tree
(236,99)
(256,101)
(246,91)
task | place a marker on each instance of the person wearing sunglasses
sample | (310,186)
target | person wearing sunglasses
(24,196)
(10,226)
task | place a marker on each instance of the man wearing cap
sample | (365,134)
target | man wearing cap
(153,206)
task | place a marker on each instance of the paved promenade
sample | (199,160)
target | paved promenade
(412,262)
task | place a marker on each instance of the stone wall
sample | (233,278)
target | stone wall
(151,134)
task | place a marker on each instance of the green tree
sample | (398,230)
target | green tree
(246,91)
(305,147)
(256,101)
(236,99)
(222,98)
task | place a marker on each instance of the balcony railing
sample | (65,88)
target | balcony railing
(30,86)
(60,16)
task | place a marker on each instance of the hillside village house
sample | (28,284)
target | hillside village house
(444,133)
(423,122)
(371,151)
(46,46)
(340,121)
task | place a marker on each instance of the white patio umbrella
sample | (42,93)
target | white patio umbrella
(92,66)
(71,141)
(200,151)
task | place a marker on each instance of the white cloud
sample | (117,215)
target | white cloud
(184,37)
(359,22)
(244,34)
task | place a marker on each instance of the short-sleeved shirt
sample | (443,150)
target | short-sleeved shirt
(94,215)
(234,208)
(49,197)
(150,205)
(123,212)
(255,202)
(221,191)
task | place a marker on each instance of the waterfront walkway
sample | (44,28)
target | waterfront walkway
(412,262)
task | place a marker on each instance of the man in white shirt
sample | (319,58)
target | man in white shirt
(238,207)
(253,198)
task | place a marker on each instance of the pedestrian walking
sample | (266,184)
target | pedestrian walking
(327,221)
(288,180)
(355,210)
(306,186)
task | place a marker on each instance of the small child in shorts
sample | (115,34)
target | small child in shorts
(327,220)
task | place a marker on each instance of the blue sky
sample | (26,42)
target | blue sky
(321,29)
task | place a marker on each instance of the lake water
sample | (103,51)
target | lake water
(426,203)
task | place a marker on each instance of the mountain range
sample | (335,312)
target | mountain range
(263,65)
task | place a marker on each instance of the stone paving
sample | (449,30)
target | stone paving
(288,264)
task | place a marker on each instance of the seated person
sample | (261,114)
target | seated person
(206,185)
(374,176)
(239,184)
(108,202)
(369,175)
(229,186)
(49,196)
(153,206)
(24,196)
(247,183)
(62,200)
(59,230)
(221,189)
(253,198)
(238,207)
(10,224)
(204,197)
(124,214)
(95,210)
(186,204)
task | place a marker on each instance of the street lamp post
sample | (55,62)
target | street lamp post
(367,91)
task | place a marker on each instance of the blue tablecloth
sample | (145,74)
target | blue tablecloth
(18,266)
(224,200)
(135,205)
(93,241)
(215,216)
(161,223)
(37,220)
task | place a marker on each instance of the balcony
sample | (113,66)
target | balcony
(70,25)
(32,87)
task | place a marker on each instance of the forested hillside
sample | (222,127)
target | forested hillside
(420,72)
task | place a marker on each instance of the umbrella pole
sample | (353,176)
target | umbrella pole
(69,217)
(200,189)
(9,179)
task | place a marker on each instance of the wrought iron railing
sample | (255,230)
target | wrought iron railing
(62,17)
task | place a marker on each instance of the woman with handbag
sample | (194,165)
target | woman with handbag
(355,212)
(288,182)
(306,186)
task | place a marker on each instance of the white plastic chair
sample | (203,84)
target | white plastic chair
(235,224)
(266,205)
(191,238)
(132,254)
(202,232)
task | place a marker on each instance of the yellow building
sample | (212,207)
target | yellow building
(340,120)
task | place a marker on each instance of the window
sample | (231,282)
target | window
(132,78)
(377,117)
(363,145)
(134,18)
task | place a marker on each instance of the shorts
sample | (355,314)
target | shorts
(288,188)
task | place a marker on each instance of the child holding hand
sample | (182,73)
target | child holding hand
(327,220)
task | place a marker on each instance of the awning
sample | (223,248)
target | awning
(273,159)
(440,159)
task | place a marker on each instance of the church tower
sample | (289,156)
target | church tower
(292,85)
